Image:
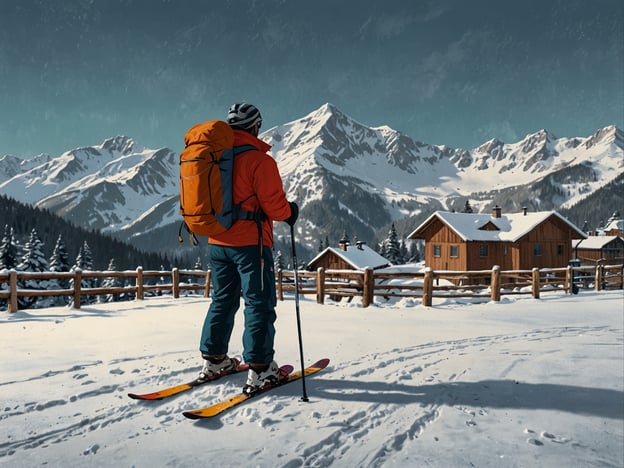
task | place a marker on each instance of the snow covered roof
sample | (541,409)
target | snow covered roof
(359,257)
(509,228)
(593,242)
(615,224)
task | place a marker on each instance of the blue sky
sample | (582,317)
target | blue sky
(453,72)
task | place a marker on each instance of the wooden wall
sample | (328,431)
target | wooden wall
(499,253)
(443,236)
(613,250)
(553,236)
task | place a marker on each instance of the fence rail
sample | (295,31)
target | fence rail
(428,284)
(169,281)
(335,284)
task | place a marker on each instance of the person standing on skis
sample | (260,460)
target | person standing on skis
(241,259)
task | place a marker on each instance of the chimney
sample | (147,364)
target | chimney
(359,244)
(524,210)
(496,212)
(344,242)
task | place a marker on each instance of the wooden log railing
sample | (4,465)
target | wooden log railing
(170,281)
(334,284)
(428,284)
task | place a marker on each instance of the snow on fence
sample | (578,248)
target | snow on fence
(335,284)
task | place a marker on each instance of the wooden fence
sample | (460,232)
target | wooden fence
(335,284)
(426,285)
(168,281)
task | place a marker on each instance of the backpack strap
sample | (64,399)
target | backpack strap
(257,216)
(242,148)
(192,237)
(237,213)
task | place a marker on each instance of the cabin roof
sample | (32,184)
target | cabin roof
(508,228)
(594,242)
(359,257)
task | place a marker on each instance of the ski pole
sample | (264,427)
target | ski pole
(304,397)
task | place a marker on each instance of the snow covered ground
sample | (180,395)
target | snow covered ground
(524,382)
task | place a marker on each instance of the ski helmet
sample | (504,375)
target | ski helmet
(244,116)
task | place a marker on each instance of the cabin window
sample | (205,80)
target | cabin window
(454,251)
(560,249)
(537,250)
(483,250)
(504,250)
(437,250)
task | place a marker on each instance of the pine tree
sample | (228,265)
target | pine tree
(8,256)
(415,255)
(111,282)
(381,248)
(391,248)
(84,261)
(8,250)
(59,262)
(404,252)
(33,260)
(467,207)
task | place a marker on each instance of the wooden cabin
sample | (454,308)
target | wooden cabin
(615,227)
(599,249)
(348,257)
(518,241)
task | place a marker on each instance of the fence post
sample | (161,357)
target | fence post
(495,284)
(535,282)
(569,280)
(368,287)
(207,285)
(77,285)
(139,284)
(279,278)
(428,287)
(598,278)
(13,291)
(320,285)
(175,283)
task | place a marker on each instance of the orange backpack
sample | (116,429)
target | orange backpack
(206,169)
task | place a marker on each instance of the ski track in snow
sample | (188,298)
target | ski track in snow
(391,389)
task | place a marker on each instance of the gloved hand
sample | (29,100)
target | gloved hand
(294,214)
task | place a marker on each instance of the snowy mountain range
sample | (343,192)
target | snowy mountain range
(346,177)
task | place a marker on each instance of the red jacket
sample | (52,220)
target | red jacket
(255,172)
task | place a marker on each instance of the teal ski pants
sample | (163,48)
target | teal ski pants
(236,269)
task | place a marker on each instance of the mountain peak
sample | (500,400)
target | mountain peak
(324,113)
(537,141)
(489,146)
(328,108)
(607,135)
(120,144)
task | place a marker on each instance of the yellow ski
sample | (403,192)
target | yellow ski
(224,405)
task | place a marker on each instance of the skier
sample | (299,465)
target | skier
(241,259)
